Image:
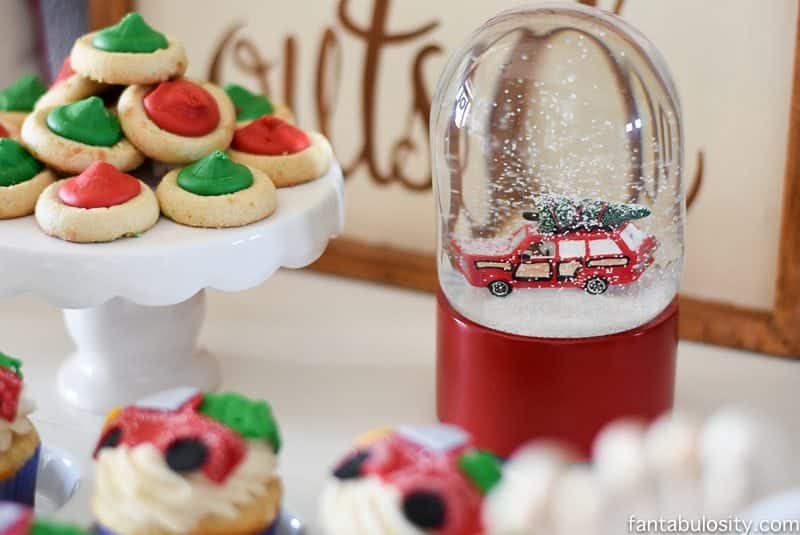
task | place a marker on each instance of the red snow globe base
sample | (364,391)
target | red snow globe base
(507,389)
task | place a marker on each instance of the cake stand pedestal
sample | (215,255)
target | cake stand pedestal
(134,307)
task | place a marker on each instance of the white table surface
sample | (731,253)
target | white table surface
(336,358)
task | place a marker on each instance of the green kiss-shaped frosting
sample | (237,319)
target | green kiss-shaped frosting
(22,94)
(215,174)
(132,34)
(86,121)
(248,105)
(16,166)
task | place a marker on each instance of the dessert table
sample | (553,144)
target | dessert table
(336,358)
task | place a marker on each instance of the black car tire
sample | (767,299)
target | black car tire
(596,286)
(499,288)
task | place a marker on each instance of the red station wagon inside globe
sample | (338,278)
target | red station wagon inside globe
(592,260)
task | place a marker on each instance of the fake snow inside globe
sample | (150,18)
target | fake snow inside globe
(557,158)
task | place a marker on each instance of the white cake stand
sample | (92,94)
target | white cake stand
(134,307)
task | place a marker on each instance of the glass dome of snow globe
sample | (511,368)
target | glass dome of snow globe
(557,160)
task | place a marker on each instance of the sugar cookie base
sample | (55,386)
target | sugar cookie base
(20,199)
(73,89)
(126,68)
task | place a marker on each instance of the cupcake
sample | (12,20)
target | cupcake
(411,480)
(16,519)
(285,153)
(179,121)
(184,462)
(19,442)
(17,101)
(130,52)
(22,179)
(250,106)
(101,204)
(72,137)
(216,192)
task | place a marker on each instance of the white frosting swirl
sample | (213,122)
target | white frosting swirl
(364,506)
(135,488)
(20,426)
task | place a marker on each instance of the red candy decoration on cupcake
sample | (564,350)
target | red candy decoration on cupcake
(100,186)
(10,387)
(182,107)
(270,136)
(163,427)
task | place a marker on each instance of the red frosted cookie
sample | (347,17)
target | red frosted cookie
(178,121)
(99,205)
(288,155)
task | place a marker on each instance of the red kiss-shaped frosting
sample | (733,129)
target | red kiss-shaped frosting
(65,72)
(101,186)
(183,108)
(270,136)
(3,131)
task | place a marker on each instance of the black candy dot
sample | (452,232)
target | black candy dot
(186,455)
(350,468)
(425,509)
(111,439)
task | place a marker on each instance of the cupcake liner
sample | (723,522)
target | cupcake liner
(21,487)
(271,530)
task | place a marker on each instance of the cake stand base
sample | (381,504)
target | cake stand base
(507,389)
(127,351)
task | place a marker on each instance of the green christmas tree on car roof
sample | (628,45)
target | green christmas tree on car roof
(560,213)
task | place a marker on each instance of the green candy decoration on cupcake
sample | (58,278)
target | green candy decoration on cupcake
(214,175)
(10,363)
(22,94)
(248,105)
(130,35)
(482,468)
(16,166)
(251,419)
(86,121)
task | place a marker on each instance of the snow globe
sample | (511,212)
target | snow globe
(557,159)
